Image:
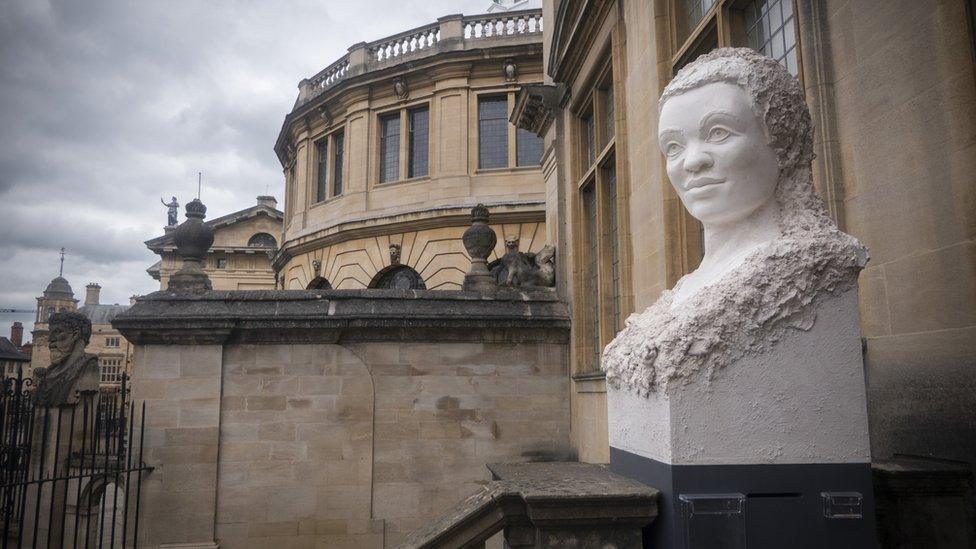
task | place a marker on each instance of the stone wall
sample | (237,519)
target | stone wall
(338,419)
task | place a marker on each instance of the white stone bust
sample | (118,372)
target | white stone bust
(737,138)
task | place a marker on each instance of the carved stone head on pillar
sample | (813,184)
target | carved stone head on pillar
(71,370)
(736,137)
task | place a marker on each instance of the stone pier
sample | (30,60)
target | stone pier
(338,418)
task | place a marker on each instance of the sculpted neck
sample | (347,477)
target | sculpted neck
(727,245)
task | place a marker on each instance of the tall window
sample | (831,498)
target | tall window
(338,147)
(591,279)
(529,148)
(493,132)
(767,26)
(772,32)
(600,286)
(418,126)
(322,171)
(389,147)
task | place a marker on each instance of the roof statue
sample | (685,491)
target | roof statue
(508,5)
(172,212)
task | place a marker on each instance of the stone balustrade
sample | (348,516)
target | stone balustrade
(405,43)
(452,32)
(503,24)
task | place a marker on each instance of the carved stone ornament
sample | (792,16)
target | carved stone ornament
(325,114)
(400,88)
(193,239)
(772,253)
(72,371)
(395,250)
(479,240)
(525,270)
(317,267)
(511,70)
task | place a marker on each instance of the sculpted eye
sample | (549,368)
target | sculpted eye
(718,134)
(672,149)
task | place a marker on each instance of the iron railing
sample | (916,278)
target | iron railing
(70,476)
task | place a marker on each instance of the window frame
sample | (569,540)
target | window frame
(610,300)
(402,113)
(484,97)
(411,141)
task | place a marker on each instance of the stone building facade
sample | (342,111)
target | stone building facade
(114,352)
(388,148)
(240,258)
(892,90)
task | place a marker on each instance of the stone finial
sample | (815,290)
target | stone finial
(193,239)
(479,240)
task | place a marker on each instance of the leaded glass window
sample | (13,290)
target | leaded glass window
(610,180)
(338,146)
(493,132)
(591,277)
(529,147)
(419,142)
(772,32)
(390,147)
(322,172)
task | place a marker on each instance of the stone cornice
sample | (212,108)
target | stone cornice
(335,316)
(573,33)
(451,216)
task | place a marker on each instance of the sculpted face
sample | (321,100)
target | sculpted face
(61,343)
(717,156)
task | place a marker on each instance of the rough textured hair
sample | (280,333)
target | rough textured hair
(72,321)
(778,102)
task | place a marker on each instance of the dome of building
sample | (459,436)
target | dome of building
(59,289)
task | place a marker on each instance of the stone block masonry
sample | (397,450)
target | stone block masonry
(339,418)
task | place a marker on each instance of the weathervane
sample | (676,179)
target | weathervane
(61,270)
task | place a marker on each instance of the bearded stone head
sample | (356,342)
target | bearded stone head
(511,243)
(68,332)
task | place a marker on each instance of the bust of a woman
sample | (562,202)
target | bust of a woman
(736,135)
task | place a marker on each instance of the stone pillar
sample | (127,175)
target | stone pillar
(358,59)
(180,386)
(772,447)
(452,32)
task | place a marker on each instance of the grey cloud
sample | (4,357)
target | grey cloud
(106,105)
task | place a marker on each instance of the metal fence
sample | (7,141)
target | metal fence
(70,476)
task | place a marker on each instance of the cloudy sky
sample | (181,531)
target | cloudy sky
(108,105)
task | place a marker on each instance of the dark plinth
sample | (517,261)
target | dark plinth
(756,506)
(543,505)
(332,316)
(924,503)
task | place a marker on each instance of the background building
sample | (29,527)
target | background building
(13,357)
(240,258)
(113,351)
(892,90)
(388,149)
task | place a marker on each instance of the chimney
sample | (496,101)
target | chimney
(268,201)
(91,293)
(17,334)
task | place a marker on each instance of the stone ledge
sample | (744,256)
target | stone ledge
(332,316)
(568,501)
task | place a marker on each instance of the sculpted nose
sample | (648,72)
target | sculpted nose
(696,159)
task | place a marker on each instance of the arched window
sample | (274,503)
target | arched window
(398,277)
(263,240)
(319,283)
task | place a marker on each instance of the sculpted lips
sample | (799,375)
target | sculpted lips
(702,182)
